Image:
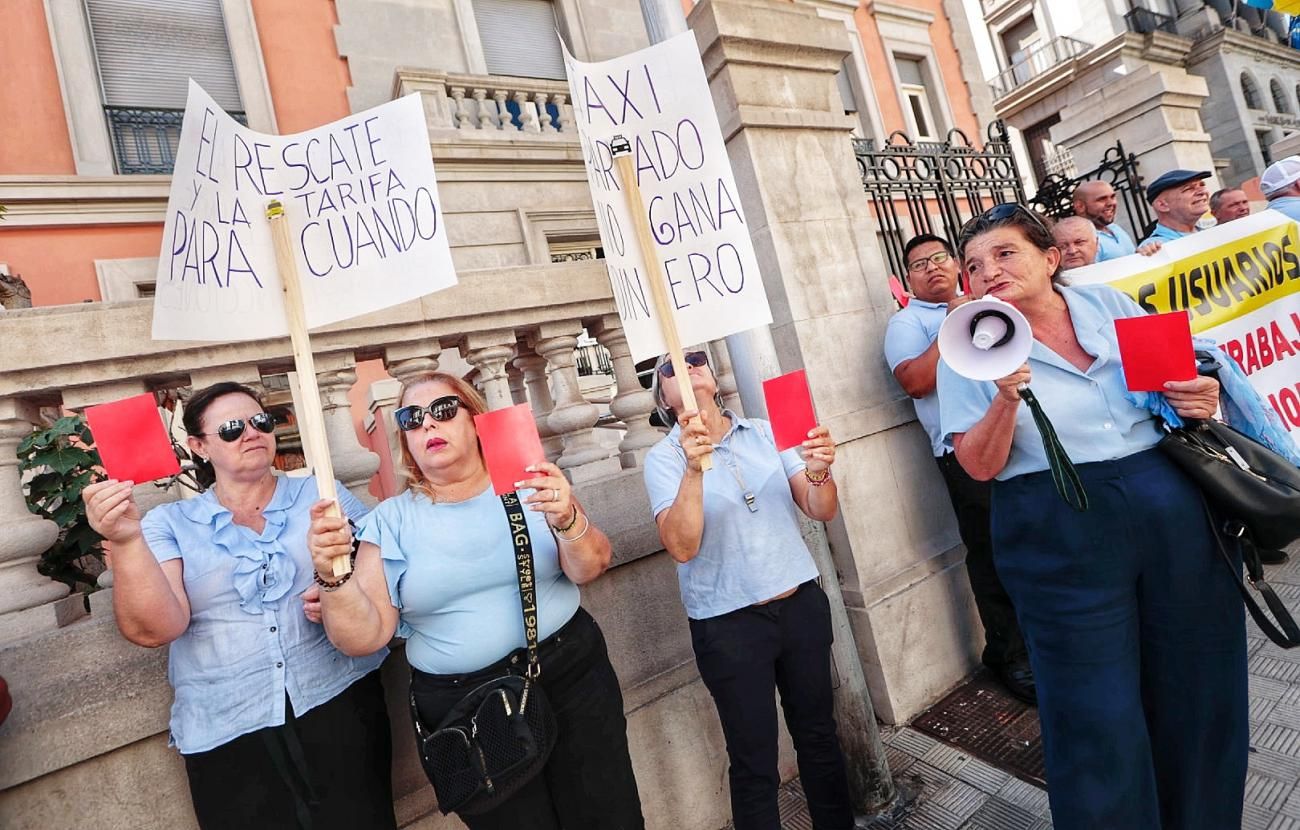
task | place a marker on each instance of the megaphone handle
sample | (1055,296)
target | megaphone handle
(1064,476)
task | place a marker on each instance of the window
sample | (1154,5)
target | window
(145,51)
(1264,138)
(1038,141)
(1019,40)
(845,85)
(1297,93)
(1250,92)
(1280,102)
(915,92)
(519,38)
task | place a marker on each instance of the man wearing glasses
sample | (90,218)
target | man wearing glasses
(913,356)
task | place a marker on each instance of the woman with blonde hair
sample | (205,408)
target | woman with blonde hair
(436,565)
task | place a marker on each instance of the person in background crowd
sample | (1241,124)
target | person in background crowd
(1078,240)
(1228,204)
(436,566)
(759,621)
(1137,636)
(913,357)
(1179,198)
(1096,202)
(277,728)
(1281,186)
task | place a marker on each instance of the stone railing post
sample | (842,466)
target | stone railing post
(533,367)
(726,376)
(354,465)
(488,352)
(23,535)
(573,417)
(403,361)
(632,404)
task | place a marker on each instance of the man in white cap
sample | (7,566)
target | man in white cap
(1281,185)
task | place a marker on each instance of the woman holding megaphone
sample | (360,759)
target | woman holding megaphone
(1137,642)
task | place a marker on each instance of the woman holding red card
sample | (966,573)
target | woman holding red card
(437,566)
(277,728)
(759,622)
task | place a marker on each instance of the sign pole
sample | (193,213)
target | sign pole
(621,150)
(311,418)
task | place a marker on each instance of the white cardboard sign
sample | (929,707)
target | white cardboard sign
(658,99)
(363,208)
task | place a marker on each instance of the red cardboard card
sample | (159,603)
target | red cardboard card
(510,443)
(1154,349)
(132,440)
(896,288)
(789,408)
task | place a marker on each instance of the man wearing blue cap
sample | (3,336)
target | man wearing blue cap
(1180,199)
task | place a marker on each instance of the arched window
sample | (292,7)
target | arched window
(1250,92)
(1280,102)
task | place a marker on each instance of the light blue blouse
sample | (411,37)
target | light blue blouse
(1163,233)
(745,557)
(451,573)
(1092,416)
(1113,243)
(1288,206)
(909,333)
(248,642)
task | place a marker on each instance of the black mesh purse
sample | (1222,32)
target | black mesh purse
(499,735)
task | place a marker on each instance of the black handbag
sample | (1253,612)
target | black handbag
(1253,497)
(497,737)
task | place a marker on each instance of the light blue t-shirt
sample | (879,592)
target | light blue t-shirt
(745,557)
(909,333)
(248,641)
(1163,233)
(1287,205)
(1092,416)
(1114,242)
(450,568)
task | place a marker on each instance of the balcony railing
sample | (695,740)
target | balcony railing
(490,104)
(1145,21)
(1040,60)
(144,139)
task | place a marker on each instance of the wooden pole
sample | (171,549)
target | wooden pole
(621,151)
(311,418)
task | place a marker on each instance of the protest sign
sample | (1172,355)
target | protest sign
(510,443)
(1240,284)
(1155,349)
(658,100)
(131,439)
(789,408)
(360,199)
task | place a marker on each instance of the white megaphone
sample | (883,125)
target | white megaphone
(985,339)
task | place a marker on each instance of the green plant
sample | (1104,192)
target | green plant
(63,462)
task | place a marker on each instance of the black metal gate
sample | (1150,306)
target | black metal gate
(934,187)
(1118,169)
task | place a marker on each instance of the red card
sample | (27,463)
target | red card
(896,288)
(132,440)
(1154,349)
(789,408)
(510,443)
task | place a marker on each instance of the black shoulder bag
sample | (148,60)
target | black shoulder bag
(499,735)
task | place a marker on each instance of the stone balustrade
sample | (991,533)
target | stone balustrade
(490,104)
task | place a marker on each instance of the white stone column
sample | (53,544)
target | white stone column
(354,465)
(533,367)
(518,391)
(24,536)
(632,404)
(488,352)
(403,361)
(726,377)
(573,418)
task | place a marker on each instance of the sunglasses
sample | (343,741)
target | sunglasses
(233,430)
(997,215)
(696,359)
(440,409)
(916,266)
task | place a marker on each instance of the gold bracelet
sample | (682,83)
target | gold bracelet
(819,480)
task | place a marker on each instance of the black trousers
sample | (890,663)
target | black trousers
(1003,642)
(328,769)
(587,783)
(744,658)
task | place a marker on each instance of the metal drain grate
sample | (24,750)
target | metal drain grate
(982,719)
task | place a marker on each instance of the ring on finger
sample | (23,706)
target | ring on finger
(555,495)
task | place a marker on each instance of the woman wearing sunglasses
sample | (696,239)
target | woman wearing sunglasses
(436,566)
(759,622)
(277,728)
(1135,634)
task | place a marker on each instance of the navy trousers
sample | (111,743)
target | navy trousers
(1136,635)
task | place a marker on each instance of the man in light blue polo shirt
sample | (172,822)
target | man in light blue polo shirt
(1096,202)
(1179,198)
(913,357)
(1281,186)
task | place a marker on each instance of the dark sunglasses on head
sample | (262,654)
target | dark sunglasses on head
(998,215)
(232,430)
(440,409)
(696,359)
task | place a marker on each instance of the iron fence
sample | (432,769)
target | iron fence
(145,139)
(1118,169)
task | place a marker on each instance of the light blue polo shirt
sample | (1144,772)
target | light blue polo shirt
(1092,416)
(909,333)
(1114,242)
(745,557)
(1163,233)
(1287,205)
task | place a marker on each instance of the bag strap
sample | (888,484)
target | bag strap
(1289,635)
(523,543)
(1064,476)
